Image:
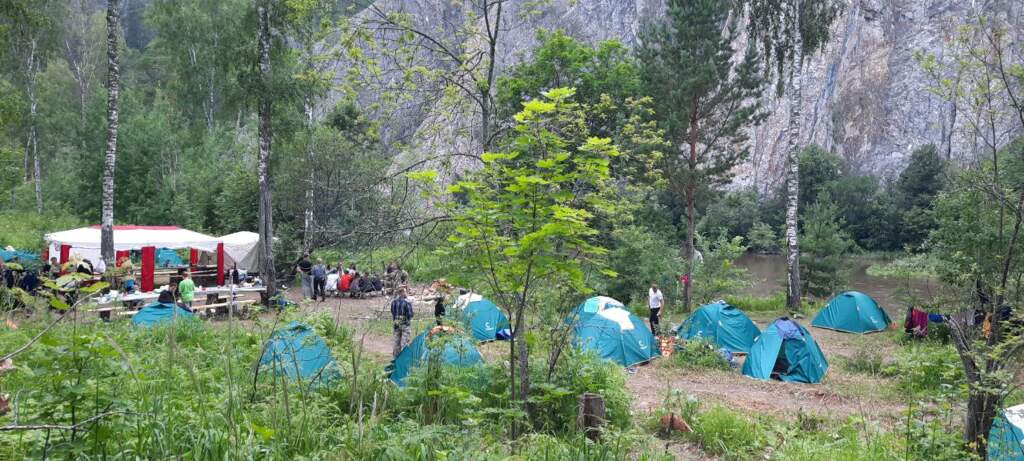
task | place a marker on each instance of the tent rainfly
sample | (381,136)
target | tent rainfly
(85,241)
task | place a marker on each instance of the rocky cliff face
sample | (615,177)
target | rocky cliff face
(865,96)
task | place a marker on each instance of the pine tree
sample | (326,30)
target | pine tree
(703,97)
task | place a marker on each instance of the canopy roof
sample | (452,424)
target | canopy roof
(135,238)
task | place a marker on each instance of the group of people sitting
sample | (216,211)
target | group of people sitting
(318,281)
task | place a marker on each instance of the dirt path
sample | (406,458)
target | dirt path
(841,395)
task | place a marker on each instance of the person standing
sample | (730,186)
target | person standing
(187,290)
(401,316)
(305,269)
(319,280)
(655,301)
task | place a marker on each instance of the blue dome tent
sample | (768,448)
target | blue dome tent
(459,350)
(721,324)
(852,312)
(786,351)
(616,334)
(1006,439)
(157,313)
(298,353)
(592,306)
(482,317)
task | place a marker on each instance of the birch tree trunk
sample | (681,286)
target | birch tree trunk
(691,209)
(266,220)
(32,143)
(307,227)
(113,92)
(793,182)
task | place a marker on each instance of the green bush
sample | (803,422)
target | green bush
(773,303)
(926,368)
(912,266)
(697,355)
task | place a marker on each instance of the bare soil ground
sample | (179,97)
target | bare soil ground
(841,395)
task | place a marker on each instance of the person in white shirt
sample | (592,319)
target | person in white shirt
(655,301)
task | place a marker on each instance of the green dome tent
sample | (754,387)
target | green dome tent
(786,351)
(852,312)
(1006,439)
(482,317)
(592,306)
(298,353)
(618,335)
(722,324)
(157,313)
(459,351)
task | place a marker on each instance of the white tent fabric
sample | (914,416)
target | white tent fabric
(618,315)
(85,241)
(242,248)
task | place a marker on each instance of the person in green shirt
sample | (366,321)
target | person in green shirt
(187,289)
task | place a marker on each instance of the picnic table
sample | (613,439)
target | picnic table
(108,304)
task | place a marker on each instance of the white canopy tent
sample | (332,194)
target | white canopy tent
(85,242)
(242,249)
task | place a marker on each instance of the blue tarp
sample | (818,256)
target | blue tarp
(297,352)
(166,257)
(21,255)
(157,313)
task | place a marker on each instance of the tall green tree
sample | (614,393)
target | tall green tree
(916,189)
(197,44)
(703,97)
(527,221)
(787,31)
(981,215)
(31,32)
(825,246)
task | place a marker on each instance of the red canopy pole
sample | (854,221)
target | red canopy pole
(65,253)
(148,261)
(121,256)
(193,256)
(220,264)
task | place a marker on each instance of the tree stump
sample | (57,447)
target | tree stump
(591,415)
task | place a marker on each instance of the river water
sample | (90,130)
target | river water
(768,272)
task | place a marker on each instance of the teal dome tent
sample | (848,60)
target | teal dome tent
(459,350)
(616,334)
(298,353)
(786,351)
(721,324)
(157,313)
(592,306)
(1006,439)
(852,312)
(481,316)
